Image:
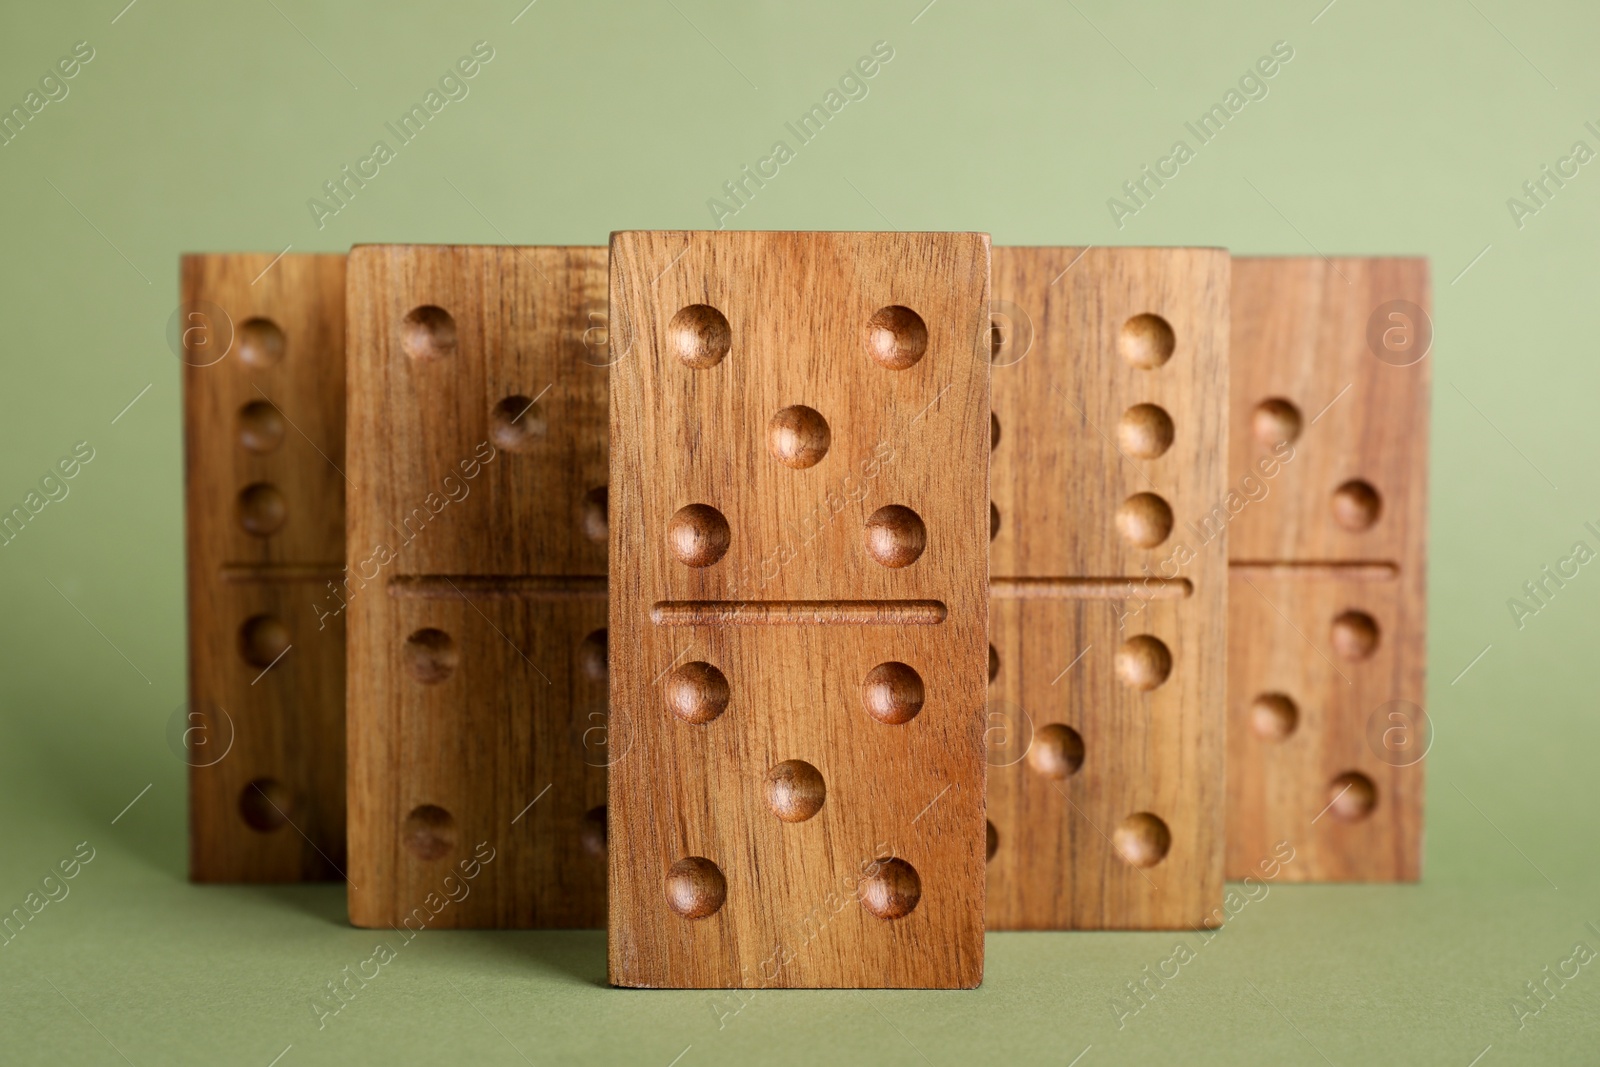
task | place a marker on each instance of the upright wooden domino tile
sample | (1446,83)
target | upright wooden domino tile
(477,605)
(798,614)
(1108,602)
(1326,636)
(263,399)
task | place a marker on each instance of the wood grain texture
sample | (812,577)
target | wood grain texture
(1099,566)
(724,872)
(263,407)
(477,691)
(1324,351)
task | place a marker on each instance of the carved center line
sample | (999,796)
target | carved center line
(1090,588)
(798,612)
(244,573)
(498,586)
(1349,570)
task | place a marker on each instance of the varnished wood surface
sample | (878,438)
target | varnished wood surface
(264,443)
(723,871)
(1307,334)
(1088,738)
(477,693)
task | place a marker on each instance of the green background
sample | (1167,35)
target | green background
(1395,129)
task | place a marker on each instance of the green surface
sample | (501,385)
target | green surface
(1394,129)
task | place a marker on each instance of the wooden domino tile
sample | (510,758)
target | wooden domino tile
(1326,635)
(263,404)
(478,729)
(1108,594)
(798,560)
